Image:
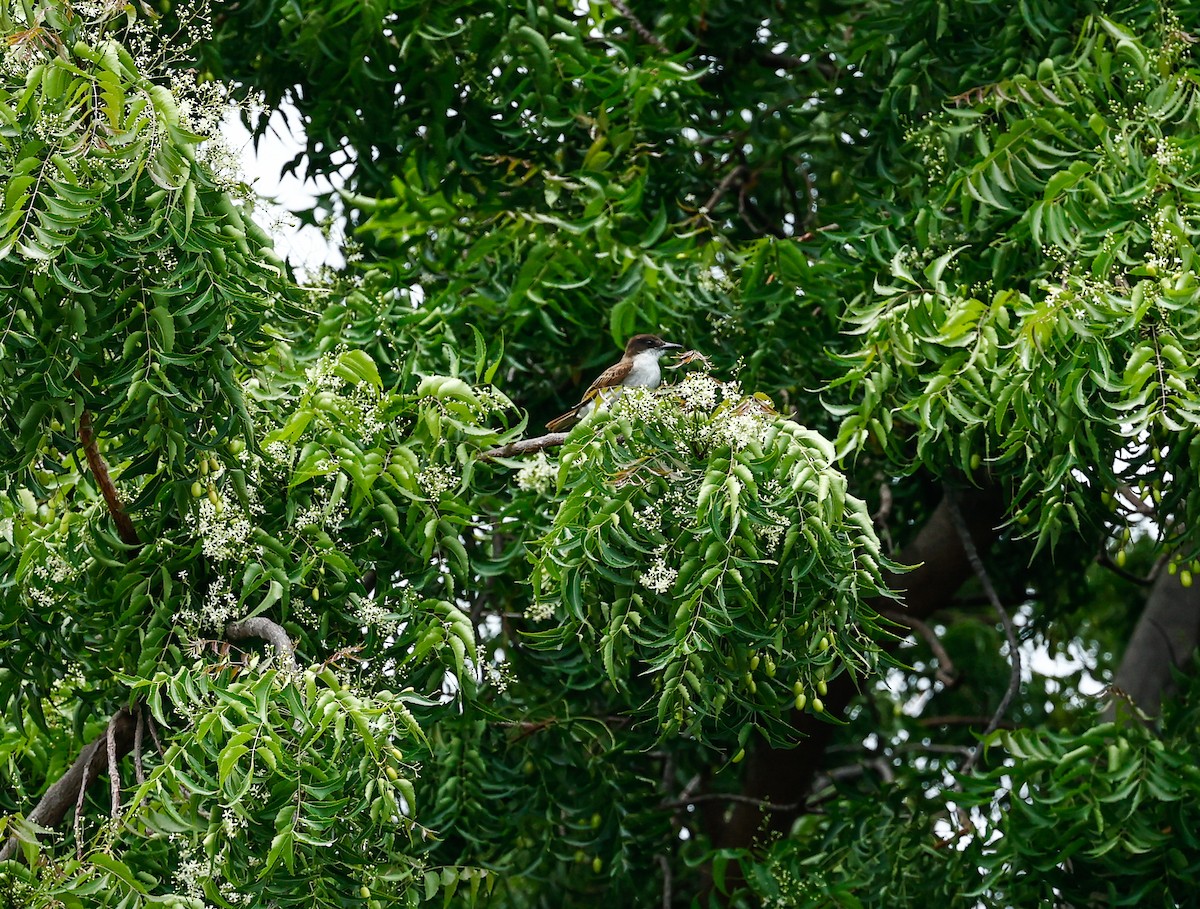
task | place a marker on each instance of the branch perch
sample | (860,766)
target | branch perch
(524,446)
(265,630)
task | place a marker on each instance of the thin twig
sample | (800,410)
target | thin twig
(153,727)
(1014,653)
(644,33)
(524,446)
(1136,502)
(946,672)
(666,870)
(764,804)
(957,720)
(114,770)
(1104,560)
(723,187)
(139,770)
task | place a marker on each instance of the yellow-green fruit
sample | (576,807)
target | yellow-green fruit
(801,700)
(1185,578)
(204,467)
(822,688)
(596,820)
(365,892)
(818,706)
(798,688)
(1172,567)
(397,754)
(737,758)
(316,594)
(597,864)
(392,774)
(580,856)
(976,461)
(197,490)
(212,494)
(754,662)
(824,645)
(1120,558)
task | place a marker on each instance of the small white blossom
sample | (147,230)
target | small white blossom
(538,475)
(659,578)
(436,479)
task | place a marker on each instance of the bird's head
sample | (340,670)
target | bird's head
(653,344)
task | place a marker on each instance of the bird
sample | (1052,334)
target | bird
(638,367)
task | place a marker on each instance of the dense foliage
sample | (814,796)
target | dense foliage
(318,631)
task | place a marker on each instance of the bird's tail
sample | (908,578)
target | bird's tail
(564,422)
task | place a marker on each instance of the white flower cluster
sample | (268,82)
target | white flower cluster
(660,578)
(223,528)
(538,475)
(435,479)
(701,412)
(539,612)
(321,375)
(370,612)
(52,571)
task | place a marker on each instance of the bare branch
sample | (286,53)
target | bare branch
(524,446)
(644,33)
(114,771)
(1104,560)
(763,804)
(139,770)
(957,720)
(265,630)
(99,469)
(67,791)
(1014,652)
(738,173)
(946,672)
(666,871)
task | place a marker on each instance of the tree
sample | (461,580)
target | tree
(293,570)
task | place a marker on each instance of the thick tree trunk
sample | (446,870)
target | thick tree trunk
(1163,640)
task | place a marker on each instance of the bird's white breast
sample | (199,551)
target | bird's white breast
(645,372)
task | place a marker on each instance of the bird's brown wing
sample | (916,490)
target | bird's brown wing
(614,375)
(607,379)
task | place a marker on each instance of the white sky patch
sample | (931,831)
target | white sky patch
(305,247)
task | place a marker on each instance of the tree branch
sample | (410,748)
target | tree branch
(1163,640)
(99,469)
(1014,652)
(524,446)
(644,33)
(67,791)
(265,630)
(946,672)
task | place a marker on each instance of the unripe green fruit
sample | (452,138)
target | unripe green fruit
(365,892)
(818,706)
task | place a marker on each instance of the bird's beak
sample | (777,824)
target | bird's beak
(669,345)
